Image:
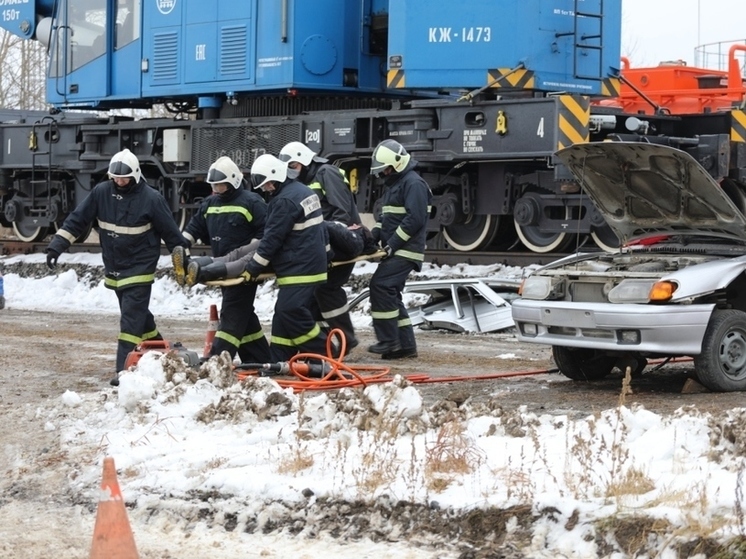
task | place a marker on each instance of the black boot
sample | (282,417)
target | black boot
(180,260)
(200,274)
(192,270)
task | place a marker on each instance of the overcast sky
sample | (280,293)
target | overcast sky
(656,30)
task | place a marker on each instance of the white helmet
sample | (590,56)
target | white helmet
(268,168)
(389,153)
(125,164)
(300,152)
(225,170)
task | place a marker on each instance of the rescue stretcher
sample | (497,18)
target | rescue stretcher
(268,275)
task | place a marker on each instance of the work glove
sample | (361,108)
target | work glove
(247,276)
(389,252)
(52,256)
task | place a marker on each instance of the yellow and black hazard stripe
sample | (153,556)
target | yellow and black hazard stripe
(395,79)
(573,117)
(738,125)
(611,87)
(511,78)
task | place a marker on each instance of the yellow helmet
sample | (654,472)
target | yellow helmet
(389,153)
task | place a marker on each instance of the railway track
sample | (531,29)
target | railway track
(440,257)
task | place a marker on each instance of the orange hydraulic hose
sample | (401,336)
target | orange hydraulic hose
(341,375)
(490,376)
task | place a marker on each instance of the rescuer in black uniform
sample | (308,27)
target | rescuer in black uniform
(132,219)
(401,230)
(231,218)
(294,243)
(347,235)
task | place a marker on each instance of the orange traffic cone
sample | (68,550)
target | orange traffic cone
(212,327)
(112,535)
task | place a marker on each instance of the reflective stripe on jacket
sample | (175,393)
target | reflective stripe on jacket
(131,223)
(333,189)
(404,214)
(294,240)
(228,222)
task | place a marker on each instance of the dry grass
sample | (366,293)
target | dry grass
(631,482)
(519,483)
(598,465)
(299,458)
(159,425)
(298,461)
(378,466)
(214,463)
(453,453)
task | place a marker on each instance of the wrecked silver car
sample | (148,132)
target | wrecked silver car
(677,287)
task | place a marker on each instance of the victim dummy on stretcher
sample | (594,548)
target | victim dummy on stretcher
(268,275)
(347,242)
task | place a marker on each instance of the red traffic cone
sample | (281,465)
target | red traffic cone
(212,327)
(112,535)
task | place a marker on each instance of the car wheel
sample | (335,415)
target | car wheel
(722,364)
(642,363)
(582,363)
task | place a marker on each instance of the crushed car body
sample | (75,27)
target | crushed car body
(676,287)
(460,305)
(464,305)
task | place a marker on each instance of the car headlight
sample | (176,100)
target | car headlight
(537,287)
(632,291)
(662,291)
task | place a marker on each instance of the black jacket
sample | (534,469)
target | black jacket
(295,240)
(331,186)
(404,214)
(131,223)
(228,221)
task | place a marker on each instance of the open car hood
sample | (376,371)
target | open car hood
(646,189)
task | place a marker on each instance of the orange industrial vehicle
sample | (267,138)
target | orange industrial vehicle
(675,88)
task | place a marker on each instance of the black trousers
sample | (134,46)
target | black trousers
(294,329)
(331,299)
(390,318)
(240,330)
(136,322)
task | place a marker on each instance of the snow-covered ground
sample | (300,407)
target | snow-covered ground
(259,456)
(65,290)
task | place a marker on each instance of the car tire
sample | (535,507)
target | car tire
(721,366)
(581,363)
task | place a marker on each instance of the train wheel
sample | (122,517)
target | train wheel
(526,215)
(475,233)
(182,216)
(506,239)
(28,233)
(605,238)
(191,196)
